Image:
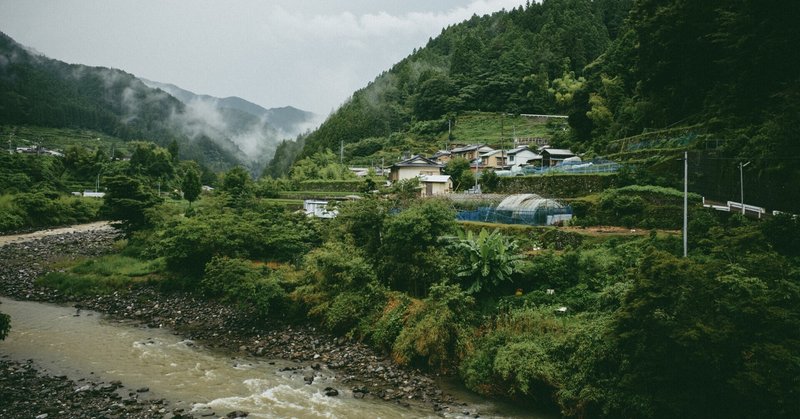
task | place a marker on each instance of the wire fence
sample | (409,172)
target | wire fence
(578,168)
(539,217)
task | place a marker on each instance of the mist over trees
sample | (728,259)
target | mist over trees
(220,133)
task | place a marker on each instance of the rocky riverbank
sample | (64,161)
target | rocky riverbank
(369,374)
(26,392)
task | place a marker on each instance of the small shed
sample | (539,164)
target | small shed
(554,156)
(436,184)
(318,208)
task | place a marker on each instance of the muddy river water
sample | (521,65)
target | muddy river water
(83,344)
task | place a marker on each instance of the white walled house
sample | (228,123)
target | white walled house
(414,167)
(519,156)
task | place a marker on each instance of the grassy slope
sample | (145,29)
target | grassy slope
(498,130)
(59,138)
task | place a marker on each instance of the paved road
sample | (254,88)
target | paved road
(20,238)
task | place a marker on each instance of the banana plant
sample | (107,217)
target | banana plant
(489,259)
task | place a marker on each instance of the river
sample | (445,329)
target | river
(187,375)
(86,344)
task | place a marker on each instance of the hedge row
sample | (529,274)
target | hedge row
(332,185)
(557,186)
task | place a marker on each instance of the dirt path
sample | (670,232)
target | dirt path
(21,238)
(615,231)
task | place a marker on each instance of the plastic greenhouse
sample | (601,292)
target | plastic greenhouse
(528,209)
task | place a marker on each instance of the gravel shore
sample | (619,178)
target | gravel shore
(369,374)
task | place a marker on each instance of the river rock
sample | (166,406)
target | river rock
(331,392)
(208,322)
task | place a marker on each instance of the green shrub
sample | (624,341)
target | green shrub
(434,327)
(346,310)
(10,220)
(340,287)
(189,243)
(387,324)
(557,239)
(241,282)
(354,185)
(634,206)
(517,356)
(223,276)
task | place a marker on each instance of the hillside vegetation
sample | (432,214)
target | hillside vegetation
(641,81)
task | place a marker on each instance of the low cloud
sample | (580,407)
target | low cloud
(303,53)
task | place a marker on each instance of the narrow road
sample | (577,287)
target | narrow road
(21,238)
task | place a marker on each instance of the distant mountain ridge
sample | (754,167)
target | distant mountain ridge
(288,120)
(39,91)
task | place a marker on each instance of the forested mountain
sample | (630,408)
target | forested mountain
(36,90)
(682,75)
(505,62)
(283,122)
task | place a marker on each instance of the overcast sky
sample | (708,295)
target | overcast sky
(311,54)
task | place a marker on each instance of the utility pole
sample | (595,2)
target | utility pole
(741,182)
(449,134)
(502,143)
(341,152)
(476,173)
(685,202)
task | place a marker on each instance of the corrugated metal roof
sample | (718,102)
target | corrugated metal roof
(558,152)
(435,178)
(469,147)
(491,153)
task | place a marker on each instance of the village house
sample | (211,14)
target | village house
(521,156)
(554,156)
(441,157)
(470,152)
(414,167)
(495,159)
(39,150)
